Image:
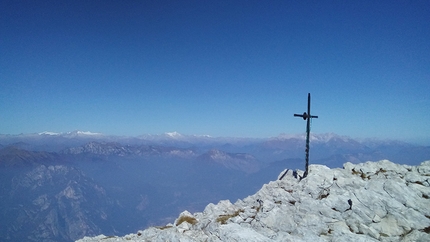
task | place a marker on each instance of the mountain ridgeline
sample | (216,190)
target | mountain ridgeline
(62,187)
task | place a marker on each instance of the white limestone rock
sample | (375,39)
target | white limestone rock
(372,201)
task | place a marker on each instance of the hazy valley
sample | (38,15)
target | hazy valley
(66,186)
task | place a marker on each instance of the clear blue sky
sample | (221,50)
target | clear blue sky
(222,68)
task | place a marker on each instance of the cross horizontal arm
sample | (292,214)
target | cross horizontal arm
(305,116)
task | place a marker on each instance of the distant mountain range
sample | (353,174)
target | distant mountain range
(323,146)
(63,186)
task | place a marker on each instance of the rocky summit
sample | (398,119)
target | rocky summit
(372,201)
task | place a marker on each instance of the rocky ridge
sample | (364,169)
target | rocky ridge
(234,161)
(372,201)
(116,149)
(53,203)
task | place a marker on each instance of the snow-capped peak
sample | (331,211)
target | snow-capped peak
(325,137)
(72,133)
(49,133)
(78,132)
(174,134)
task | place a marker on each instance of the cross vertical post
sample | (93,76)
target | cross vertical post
(307,116)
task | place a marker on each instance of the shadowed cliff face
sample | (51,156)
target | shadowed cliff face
(51,203)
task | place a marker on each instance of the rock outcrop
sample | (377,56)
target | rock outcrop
(372,201)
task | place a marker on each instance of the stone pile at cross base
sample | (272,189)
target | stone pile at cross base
(372,201)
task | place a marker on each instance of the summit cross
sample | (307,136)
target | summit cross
(307,116)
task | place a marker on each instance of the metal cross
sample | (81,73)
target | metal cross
(307,116)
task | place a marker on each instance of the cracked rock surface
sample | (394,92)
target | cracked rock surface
(372,201)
